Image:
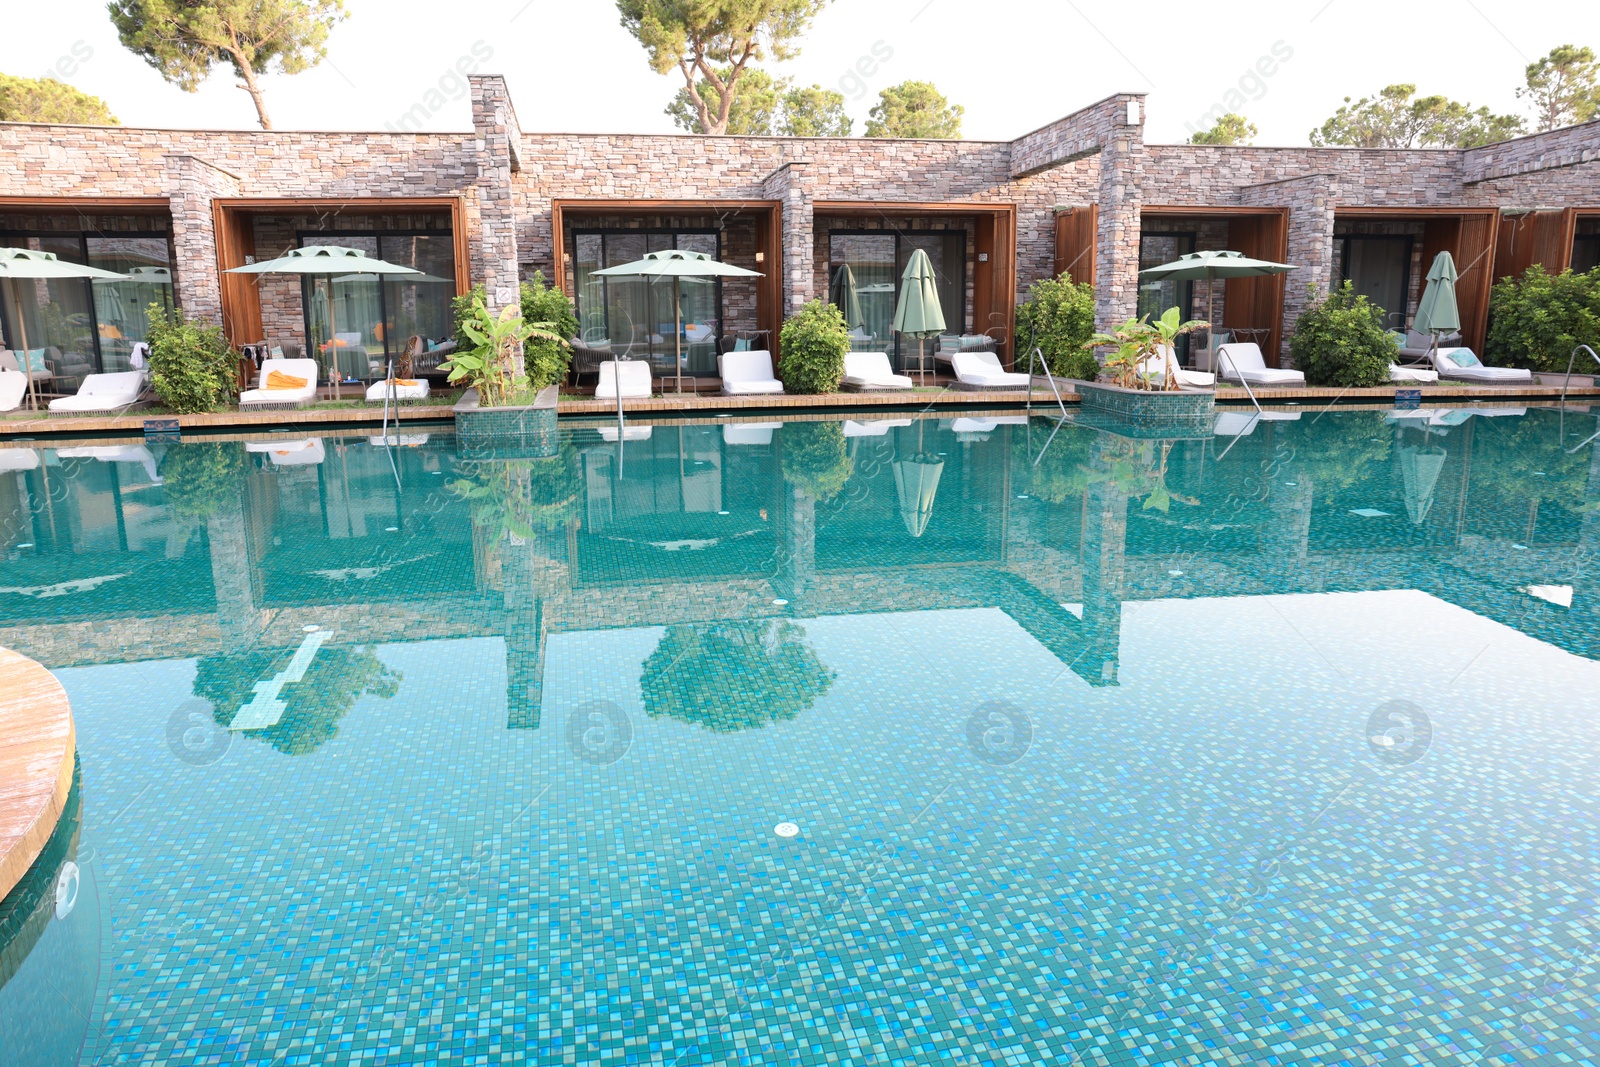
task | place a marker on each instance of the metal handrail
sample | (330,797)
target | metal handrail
(1249,392)
(1036,354)
(1566,382)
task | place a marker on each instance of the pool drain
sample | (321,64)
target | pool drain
(787,829)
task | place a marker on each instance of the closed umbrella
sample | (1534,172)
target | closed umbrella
(916,482)
(324,260)
(842,294)
(1213,264)
(677,264)
(24,264)
(1419,471)
(1437,311)
(918,313)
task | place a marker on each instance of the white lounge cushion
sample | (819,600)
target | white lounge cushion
(103,392)
(983,370)
(748,373)
(377,391)
(749,433)
(871,370)
(1411,374)
(116,454)
(399,440)
(13,388)
(875,428)
(298,368)
(1236,423)
(633,375)
(304,452)
(1241,361)
(1152,368)
(1462,364)
(18,459)
(629,433)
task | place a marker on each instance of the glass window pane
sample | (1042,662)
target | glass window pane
(355,304)
(418,306)
(57,318)
(871,262)
(592,320)
(121,308)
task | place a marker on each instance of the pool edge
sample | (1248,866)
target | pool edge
(38,740)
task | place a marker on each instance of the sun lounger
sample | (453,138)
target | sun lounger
(875,428)
(102,392)
(299,453)
(632,374)
(749,433)
(402,389)
(1241,361)
(116,454)
(13,388)
(399,440)
(1152,368)
(1236,423)
(870,371)
(280,392)
(18,459)
(748,374)
(1412,375)
(1463,365)
(1419,346)
(629,433)
(982,370)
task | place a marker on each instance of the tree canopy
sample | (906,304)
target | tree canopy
(1392,119)
(914,109)
(186,39)
(764,106)
(1564,87)
(48,100)
(714,42)
(1231,128)
(814,112)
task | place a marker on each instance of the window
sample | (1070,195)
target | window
(1156,296)
(874,260)
(1378,268)
(635,317)
(372,315)
(1585,252)
(91,326)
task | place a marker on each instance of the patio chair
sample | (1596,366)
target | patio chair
(870,372)
(632,376)
(747,374)
(982,370)
(1155,368)
(18,459)
(587,355)
(284,383)
(1463,365)
(307,452)
(1417,347)
(950,344)
(402,389)
(102,393)
(1242,362)
(398,440)
(749,433)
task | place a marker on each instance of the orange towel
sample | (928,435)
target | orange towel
(279,380)
(405,382)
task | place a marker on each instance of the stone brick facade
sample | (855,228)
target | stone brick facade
(508,180)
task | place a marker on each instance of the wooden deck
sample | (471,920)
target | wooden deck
(37,744)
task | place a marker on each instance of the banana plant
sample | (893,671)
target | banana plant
(1138,340)
(493,365)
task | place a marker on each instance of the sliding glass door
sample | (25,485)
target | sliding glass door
(635,317)
(1156,296)
(873,261)
(359,321)
(1378,268)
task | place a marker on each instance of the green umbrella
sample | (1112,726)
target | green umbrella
(1437,312)
(677,264)
(1213,264)
(844,296)
(918,314)
(1419,471)
(24,264)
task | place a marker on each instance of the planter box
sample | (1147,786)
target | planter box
(1147,414)
(524,432)
(1555,378)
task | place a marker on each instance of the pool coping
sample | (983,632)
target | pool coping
(691,404)
(38,743)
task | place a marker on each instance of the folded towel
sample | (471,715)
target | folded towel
(279,380)
(405,382)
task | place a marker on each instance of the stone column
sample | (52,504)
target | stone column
(1310,199)
(1103,547)
(192,186)
(238,615)
(494,246)
(793,184)
(797,559)
(1117,244)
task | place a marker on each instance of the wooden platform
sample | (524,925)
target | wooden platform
(37,745)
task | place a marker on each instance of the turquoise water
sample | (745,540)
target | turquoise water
(1277,746)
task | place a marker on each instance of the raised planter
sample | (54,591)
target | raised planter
(1147,413)
(526,431)
(1556,378)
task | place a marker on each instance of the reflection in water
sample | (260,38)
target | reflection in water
(313,705)
(733,675)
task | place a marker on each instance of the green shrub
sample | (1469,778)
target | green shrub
(1341,341)
(815,459)
(815,340)
(1536,320)
(547,359)
(192,366)
(1058,317)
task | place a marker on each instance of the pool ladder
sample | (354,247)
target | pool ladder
(1566,383)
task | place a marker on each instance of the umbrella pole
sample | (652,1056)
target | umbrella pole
(333,353)
(677,333)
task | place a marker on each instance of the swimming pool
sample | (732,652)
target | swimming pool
(1275,746)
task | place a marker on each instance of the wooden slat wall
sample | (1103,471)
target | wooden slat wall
(1076,232)
(241,300)
(1470,237)
(1543,237)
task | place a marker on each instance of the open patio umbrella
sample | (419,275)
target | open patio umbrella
(1210,265)
(842,294)
(1437,311)
(24,264)
(918,313)
(677,264)
(324,260)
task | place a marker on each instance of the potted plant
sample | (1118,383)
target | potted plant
(502,409)
(1141,388)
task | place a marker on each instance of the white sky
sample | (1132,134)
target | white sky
(1014,64)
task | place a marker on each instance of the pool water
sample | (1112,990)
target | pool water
(968,741)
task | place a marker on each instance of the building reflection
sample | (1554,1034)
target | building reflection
(722,532)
